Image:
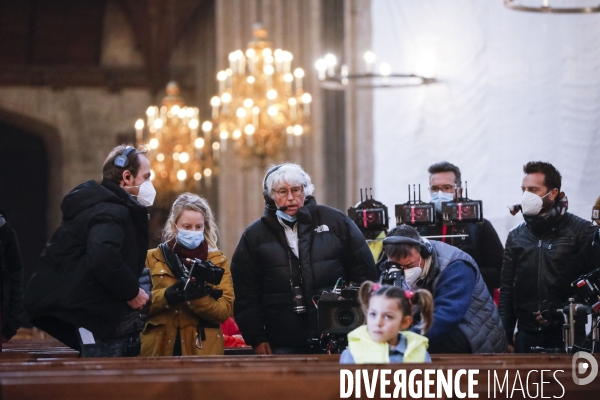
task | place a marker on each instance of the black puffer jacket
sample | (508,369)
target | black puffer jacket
(482,243)
(330,246)
(91,264)
(11,268)
(532,263)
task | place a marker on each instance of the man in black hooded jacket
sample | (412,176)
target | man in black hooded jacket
(296,244)
(86,290)
(535,254)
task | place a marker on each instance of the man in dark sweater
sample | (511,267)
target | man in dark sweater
(482,242)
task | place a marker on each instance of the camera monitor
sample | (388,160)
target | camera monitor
(462,211)
(339,316)
(369,214)
(415,212)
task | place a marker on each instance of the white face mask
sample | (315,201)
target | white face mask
(146,194)
(441,197)
(531,203)
(411,275)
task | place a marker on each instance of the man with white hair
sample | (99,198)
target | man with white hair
(293,252)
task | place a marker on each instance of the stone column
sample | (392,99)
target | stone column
(359,101)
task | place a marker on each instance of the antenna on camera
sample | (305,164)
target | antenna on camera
(414,193)
(466,190)
(419,193)
(371,191)
(409,192)
(361,198)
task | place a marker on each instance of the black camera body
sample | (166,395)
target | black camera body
(205,272)
(339,313)
(587,288)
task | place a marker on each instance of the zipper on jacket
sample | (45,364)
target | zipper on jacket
(540,273)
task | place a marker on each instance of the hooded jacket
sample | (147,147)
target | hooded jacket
(11,268)
(160,332)
(90,267)
(532,262)
(330,247)
(365,350)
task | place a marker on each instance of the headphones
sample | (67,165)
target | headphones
(268,199)
(121,160)
(425,248)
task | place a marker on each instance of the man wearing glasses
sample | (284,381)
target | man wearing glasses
(482,242)
(291,254)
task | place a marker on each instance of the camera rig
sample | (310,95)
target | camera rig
(415,212)
(339,313)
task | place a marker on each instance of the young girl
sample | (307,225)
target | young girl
(388,311)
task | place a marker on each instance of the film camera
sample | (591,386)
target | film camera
(371,216)
(339,313)
(587,288)
(460,211)
(202,272)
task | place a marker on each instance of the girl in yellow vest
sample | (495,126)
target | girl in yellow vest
(385,338)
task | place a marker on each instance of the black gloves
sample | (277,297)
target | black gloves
(174,293)
(193,291)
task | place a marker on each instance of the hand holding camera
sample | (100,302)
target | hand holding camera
(174,294)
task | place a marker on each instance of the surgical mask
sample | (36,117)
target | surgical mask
(190,239)
(531,203)
(146,194)
(282,215)
(441,197)
(411,275)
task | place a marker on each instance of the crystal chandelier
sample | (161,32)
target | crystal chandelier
(179,157)
(261,106)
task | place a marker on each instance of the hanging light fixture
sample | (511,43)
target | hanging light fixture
(332,77)
(179,156)
(261,107)
(545,7)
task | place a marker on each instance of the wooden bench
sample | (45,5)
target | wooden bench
(248,377)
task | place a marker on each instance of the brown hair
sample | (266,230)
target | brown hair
(401,250)
(191,201)
(420,296)
(114,173)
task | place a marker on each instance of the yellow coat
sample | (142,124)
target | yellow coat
(158,336)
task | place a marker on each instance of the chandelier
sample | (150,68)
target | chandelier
(546,8)
(332,77)
(261,107)
(179,157)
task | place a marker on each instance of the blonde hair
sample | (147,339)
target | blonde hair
(193,202)
(422,297)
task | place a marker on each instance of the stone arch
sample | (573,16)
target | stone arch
(53,145)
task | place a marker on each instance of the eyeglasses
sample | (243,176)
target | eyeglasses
(296,191)
(443,188)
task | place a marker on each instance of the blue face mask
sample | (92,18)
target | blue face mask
(190,239)
(283,215)
(439,198)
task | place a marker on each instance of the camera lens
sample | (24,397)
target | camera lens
(346,318)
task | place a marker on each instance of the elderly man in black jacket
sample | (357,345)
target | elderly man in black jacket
(536,252)
(11,268)
(297,248)
(86,290)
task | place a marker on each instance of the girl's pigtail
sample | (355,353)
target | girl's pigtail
(364,294)
(424,299)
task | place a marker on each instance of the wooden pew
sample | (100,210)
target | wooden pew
(247,377)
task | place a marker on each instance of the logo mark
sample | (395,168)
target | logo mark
(579,367)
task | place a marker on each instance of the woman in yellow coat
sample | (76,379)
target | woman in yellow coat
(185,319)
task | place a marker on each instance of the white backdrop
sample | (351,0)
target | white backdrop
(514,87)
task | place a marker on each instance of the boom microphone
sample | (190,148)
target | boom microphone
(282,208)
